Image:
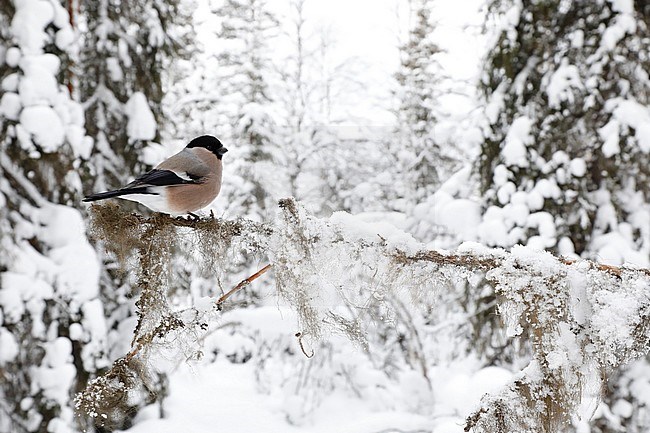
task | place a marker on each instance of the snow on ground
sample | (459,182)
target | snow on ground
(223,396)
(219,395)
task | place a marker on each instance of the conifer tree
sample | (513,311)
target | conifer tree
(566,155)
(126,47)
(247,28)
(420,159)
(52,328)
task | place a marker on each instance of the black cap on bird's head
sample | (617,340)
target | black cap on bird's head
(210,143)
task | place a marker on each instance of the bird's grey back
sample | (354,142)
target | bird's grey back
(189,162)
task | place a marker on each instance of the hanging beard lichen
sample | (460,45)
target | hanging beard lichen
(145,247)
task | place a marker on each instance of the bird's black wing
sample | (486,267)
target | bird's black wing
(160,178)
(118,193)
(142,183)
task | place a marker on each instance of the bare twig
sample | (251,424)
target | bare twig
(302,347)
(245,282)
(147,338)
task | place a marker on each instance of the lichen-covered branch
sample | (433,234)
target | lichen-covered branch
(145,247)
(584,319)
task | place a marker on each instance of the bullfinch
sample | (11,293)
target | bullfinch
(182,184)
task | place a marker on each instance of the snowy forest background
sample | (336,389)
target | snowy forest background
(434,151)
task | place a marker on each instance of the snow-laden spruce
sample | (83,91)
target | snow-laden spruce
(564,163)
(52,326)
(54,331)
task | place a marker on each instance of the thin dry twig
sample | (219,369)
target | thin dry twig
(302,347)
(242,284)
(145,339)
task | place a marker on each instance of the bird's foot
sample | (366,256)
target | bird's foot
(191,217)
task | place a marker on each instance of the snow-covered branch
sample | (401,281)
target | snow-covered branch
(583,318)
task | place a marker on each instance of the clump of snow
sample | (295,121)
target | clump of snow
(114,69)
(64,38)
(577,38)
(564,78)
(616,249)
(629,113)
(504,192)
(501,175)
(142,123)
(156,32)
(460,392)
(480,250)
(21,293)
(565,247)
(495,105)
(29,22)
(81,144)
(357,229)
(535,200)
(519,136)
(60,19)
(10,82)
(93,327)
(44,125)
(10,105)
(512,222)
(123,52)
(12,57)
(56,375)
(578,167)
(623,24)
(9,346)
(38,85)
(548,188)
(623,408)
(623,6)
(153,153)
(460,217)
(610,136)
(204,304)
(545,225)
(493,229)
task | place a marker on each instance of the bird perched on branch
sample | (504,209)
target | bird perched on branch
(182,184)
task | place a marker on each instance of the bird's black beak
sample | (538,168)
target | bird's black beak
(221,151)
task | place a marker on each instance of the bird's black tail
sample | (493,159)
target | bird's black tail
(115,193)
